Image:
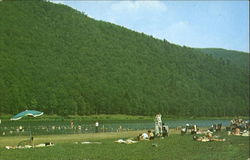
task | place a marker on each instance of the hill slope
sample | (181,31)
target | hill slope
(56,59)
(240,59)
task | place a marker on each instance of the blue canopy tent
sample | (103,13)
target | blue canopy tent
(32,113)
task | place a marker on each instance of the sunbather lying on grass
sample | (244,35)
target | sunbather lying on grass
(128,141)
(207,139)
(46,144)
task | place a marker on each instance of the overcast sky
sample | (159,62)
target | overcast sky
(203,24)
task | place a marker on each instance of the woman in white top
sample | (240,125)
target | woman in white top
(158,125)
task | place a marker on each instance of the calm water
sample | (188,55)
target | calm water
(43,127)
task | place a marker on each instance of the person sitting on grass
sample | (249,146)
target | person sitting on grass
(183,131)
(146,136)
(150,135)
(165,130)
(209,134)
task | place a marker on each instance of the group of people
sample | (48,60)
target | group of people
(238,127)
(190,128)
(240,124)
(215,127)
(79,127)
(161,130)
(208,137)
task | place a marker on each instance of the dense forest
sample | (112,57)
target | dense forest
(58,60)
(239,59)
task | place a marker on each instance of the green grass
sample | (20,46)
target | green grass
(175,147)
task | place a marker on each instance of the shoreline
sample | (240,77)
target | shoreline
(121,117)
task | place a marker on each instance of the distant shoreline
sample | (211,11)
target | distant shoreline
(121,117)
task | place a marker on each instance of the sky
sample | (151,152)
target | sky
(199,24)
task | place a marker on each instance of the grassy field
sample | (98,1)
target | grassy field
(175,147)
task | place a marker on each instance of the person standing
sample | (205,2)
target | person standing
(71,124)
(96,126)
(158,125)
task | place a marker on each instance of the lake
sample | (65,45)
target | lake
(44,127)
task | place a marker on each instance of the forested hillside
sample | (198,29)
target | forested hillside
(240,59)
(58,60)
